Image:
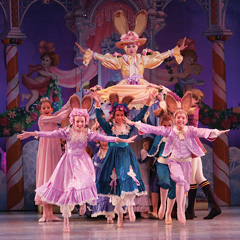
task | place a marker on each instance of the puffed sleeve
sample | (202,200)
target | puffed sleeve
(61,133)
(109,61)
(99,137)
(56,118)
(209,134)
(146,128)
(156,58)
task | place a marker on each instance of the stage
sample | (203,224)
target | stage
(25,226)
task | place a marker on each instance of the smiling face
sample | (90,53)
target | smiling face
(132,49)
(180,120)
(79,122)
(167,123)
(104,145)
(46,109)
(46,61)
(119,116)
(188,60)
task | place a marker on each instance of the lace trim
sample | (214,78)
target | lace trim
(76,138)
(101,155)
(117,132)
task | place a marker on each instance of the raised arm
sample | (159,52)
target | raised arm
(56,118)
(102,122)
(52,134)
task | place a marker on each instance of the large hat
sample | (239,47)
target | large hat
(127,37)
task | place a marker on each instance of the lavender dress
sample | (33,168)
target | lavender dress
(73,180)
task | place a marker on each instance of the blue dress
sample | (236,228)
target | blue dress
(120,174)
(104,206)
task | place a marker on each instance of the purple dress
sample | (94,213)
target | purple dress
(73,180)
(104,206)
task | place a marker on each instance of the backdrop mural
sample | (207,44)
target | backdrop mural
(55,26)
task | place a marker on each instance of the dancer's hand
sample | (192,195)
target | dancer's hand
(81,49)
(183,46)
(223,131)
(129,122)
(153,94)
(25,135)
(129,140)
(97,98)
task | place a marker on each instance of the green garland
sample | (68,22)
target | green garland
(223,119)
(18,119)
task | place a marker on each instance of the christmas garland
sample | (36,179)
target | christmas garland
(18,119)
(223,119)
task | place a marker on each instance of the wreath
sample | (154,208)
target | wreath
(18,119)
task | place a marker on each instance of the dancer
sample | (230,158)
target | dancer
(197,171)
(120,175)
(49,152)
(73,180)
(143,203)
(163,179)
(180,144)
(131,64)
(104,205)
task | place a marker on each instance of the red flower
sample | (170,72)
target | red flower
(56,99)
(4,121)
(226,123)
(38,107)
(200,116)
(234,118)
(206,120)
(33,116)
(214,120)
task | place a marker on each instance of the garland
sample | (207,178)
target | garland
(223,119)
(18,119)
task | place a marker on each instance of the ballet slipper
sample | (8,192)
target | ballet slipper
(162,209)
(144,215)
(110,221)
(181,217)
(153,215)
(132,216)
(120,220)
(66,225)
(42,219)
(82,209)
(168,219)
(54,219)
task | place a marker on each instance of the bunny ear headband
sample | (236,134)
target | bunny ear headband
(86,102)
(174,107)
(121,24)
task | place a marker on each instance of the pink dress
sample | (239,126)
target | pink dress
(49,150)
(73,180)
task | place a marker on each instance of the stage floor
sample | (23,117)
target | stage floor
(25,226)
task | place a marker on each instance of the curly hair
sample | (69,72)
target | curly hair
(53,56)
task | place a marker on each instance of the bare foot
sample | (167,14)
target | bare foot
(42,219)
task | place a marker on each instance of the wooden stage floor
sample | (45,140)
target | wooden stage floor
(25,226)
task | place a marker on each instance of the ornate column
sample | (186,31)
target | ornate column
(218,34)
(12,38)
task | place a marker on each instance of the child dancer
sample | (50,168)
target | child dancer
(73,180)
(49,152)
(104,206)
(167,185)
(197,171)
(131,64)
(120,175)
(180,144)
(143,203)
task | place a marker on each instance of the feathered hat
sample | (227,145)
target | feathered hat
(127,37)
